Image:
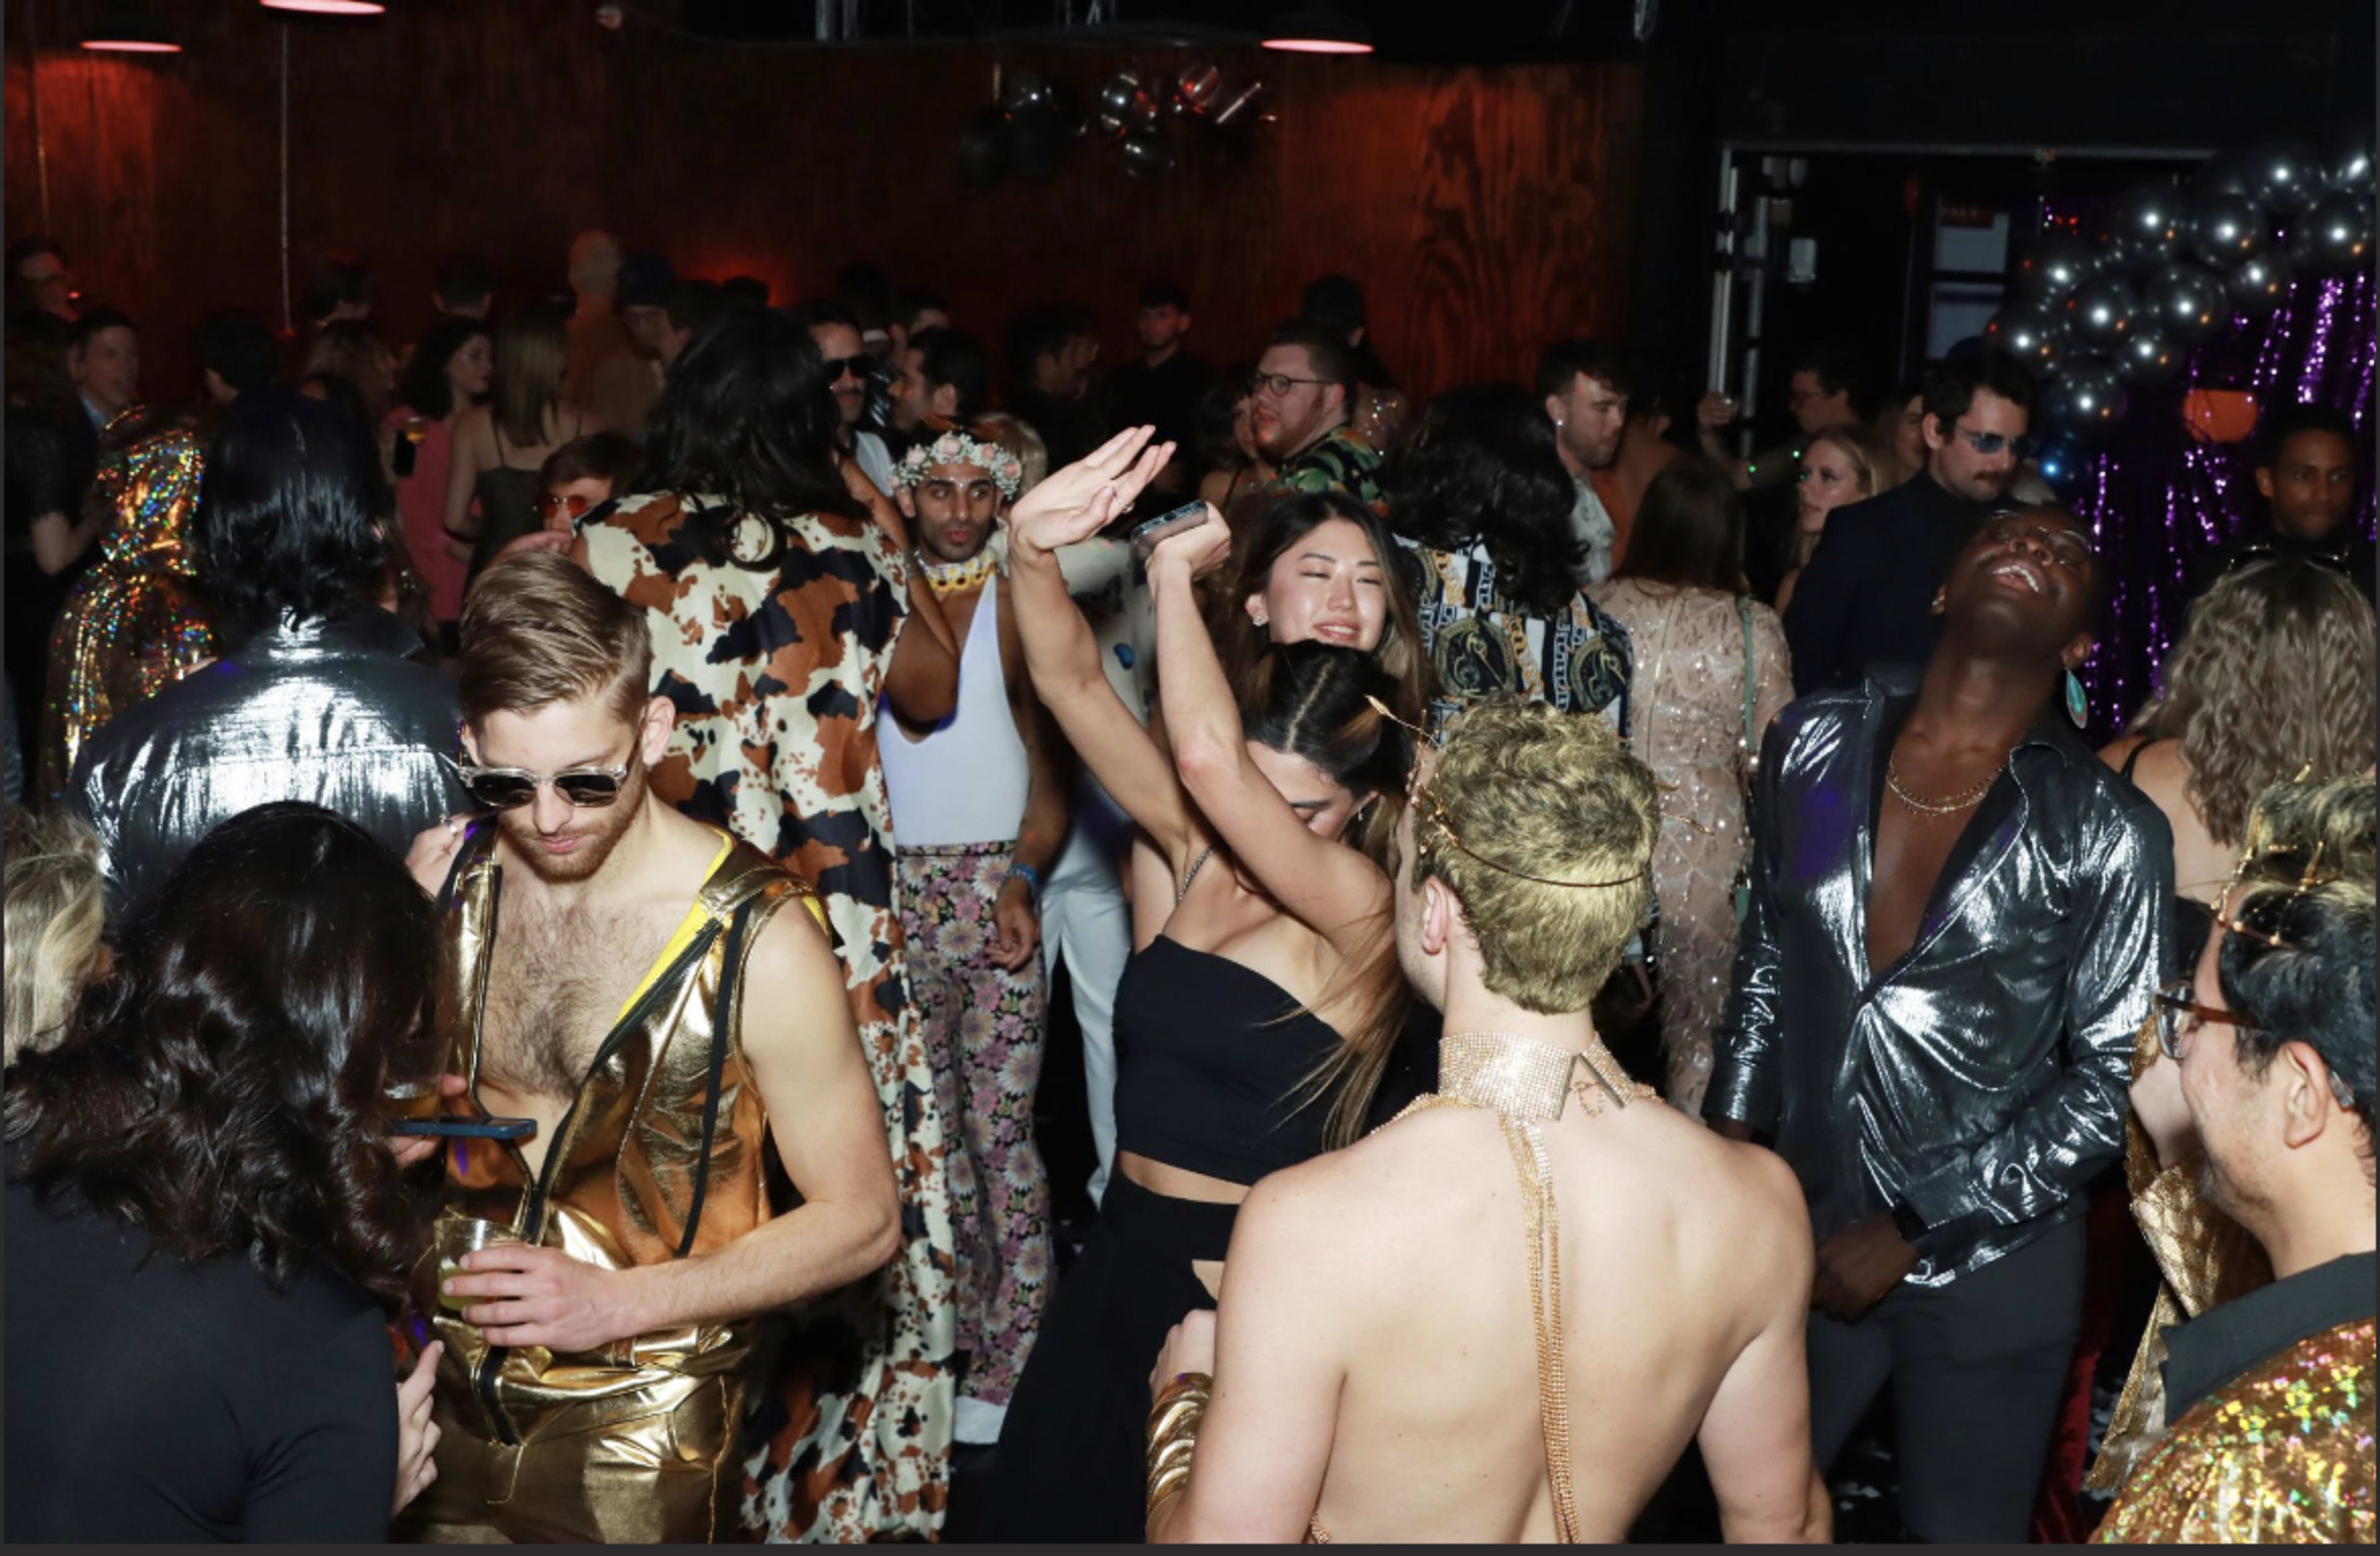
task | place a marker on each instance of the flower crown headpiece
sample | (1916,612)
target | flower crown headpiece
(956,447)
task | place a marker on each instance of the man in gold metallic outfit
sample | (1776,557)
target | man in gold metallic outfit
(2262,1108)
(597,1339)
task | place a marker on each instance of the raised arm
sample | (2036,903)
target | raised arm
(1060,651)
(1334,890)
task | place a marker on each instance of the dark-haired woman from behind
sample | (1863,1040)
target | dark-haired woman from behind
(1710,672)
(1252,1027)
(786,603)
(447,375)
(207,1224)
(1482,501)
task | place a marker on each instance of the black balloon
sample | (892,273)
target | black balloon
(1146,154)
(2061,461)
(1025,91)
(1038,145)
(2286,177)
(2229,173)
(2032,336)
(1121,103)
(2335,237)
(2146,227)
(2148,356)
(2226,229)
(2059,262)
(984,148)
(2257,287)
(2086,398)
(2100,313)
(2185,300)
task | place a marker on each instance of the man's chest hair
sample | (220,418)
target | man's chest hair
(556,983)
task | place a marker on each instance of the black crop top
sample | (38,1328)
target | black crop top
(1211,1062)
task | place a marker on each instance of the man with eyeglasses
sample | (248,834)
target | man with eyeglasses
(661,1000)
(1305,386)
(1957,921)
(835,330)
(2306,469)
(1863,599)
(2260,1107)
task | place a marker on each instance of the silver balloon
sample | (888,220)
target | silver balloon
(2185,300)
(2100,313)
(2034,336)
(2350,167)
(2287,177)
(2257,287)
(2148,356)
(2146,226)
(2059,263)
(1198,89)
(2086,398)
(2225,230)
(1146,155)
(2335,237)
(1120,103)
(1025,90)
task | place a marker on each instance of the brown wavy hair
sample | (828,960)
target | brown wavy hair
(222,1092)
(2275,670)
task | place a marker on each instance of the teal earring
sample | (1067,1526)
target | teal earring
(2078,707)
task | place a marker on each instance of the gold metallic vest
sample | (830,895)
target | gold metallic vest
(659,1157)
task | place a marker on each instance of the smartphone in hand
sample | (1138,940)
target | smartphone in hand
(1189,515)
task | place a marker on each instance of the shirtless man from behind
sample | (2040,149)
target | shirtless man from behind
(1377,1362)
(661,1000)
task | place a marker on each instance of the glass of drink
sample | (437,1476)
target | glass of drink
(411,1089)
(453,1236)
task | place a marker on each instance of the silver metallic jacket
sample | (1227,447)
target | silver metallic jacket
(330,711)
(1980,1079)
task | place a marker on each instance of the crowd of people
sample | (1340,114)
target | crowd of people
(538,860)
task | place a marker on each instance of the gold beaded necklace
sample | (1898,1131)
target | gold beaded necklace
(1966,799)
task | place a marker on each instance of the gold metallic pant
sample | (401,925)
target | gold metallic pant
(586,1476)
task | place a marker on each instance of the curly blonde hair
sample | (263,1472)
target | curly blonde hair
(55,915)
(2275,670)
(1525,786)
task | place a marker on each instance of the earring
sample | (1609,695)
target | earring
(1262,619)
(2078,707)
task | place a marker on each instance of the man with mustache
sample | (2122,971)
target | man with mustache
(1958,919)
(1863,599)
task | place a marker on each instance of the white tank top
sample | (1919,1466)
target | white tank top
(966,780)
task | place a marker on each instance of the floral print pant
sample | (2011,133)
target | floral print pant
(985,1027)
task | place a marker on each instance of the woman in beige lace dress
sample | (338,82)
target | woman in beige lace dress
(1681,595)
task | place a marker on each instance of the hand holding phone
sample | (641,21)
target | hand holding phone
(468,1128)
(1189,515)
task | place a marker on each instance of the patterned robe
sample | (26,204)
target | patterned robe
(776,675)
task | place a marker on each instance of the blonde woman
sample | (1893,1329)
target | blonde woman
(2274,674)
(1840,466)
(499,447)
(54,912)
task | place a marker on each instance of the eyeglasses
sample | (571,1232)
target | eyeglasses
(2179,1016)
(1278,384)
(509,788)
(554,504)
(837,368)
(1428,808)
(1989,443)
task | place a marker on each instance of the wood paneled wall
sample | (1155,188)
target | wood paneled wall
(1485,210)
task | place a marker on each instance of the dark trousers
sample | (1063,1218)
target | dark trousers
(1977,1367)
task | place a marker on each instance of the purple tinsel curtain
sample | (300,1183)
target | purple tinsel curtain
(2157,496)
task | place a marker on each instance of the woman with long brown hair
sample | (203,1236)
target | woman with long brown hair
(498,447)
(1256,1018)
(1710,671)
(2274,674)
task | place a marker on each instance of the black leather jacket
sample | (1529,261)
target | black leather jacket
(333,712)
(1980,1081)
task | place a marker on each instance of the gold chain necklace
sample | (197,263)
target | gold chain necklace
(1966,799)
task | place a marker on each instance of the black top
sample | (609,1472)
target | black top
(2351,553)
(159,1401)
(2192,920)
(1211,1062)
(2222,1342)
(1166,397)
(1866,597)
(1070,429)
